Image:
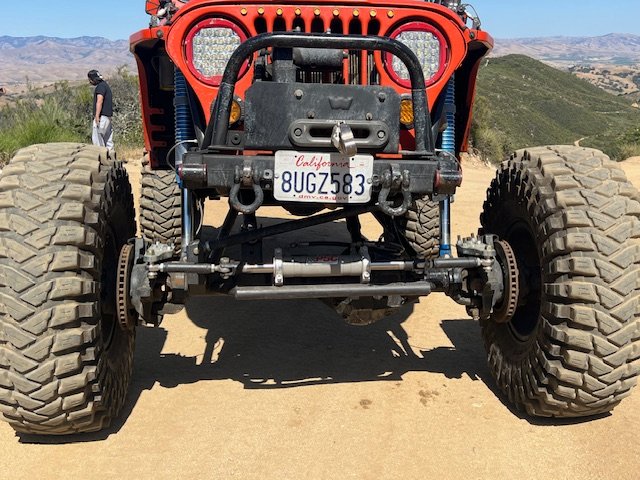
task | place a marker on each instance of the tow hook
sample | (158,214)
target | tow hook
(246,178)
(393,178)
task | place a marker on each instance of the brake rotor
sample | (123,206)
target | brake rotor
(504,310)
(127,315)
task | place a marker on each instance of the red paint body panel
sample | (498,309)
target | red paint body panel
(371,15)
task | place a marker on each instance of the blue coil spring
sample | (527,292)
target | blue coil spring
(183,119)
(449,135)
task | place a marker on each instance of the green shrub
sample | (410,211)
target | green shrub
(35,120)
(491,144)
(628,150)
(64,115)
(127,117)
(619,146)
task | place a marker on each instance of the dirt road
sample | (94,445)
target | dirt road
(285,390)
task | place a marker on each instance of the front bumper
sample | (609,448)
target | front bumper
(439,174)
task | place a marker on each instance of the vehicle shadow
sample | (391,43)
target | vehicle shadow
(269,344)
(296,343)
(290,344)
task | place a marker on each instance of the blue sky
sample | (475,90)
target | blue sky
(117,19)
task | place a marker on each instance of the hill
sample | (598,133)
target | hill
(611,62)
(525,102)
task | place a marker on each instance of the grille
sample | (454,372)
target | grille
(361,68)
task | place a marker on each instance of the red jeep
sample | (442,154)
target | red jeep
(331,111)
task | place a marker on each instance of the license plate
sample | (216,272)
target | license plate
(322,177)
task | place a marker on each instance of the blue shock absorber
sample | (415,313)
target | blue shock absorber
(448,144)
(184,131)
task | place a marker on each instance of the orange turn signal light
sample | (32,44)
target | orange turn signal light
(406,112)
(236,112)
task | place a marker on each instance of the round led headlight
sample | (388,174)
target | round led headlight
(429,46)
(209,47)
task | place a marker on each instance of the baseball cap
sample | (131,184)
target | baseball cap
(94,75)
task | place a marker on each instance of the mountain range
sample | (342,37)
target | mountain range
(611,49)
(46,59)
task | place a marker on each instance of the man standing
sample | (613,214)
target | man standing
(102,133)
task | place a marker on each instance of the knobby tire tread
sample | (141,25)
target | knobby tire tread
(57,203)
(160,207)
(584,214)
(421,227)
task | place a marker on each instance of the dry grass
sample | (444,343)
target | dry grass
(629,150)
(129,154)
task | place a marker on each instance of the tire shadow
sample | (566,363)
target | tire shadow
(468,350)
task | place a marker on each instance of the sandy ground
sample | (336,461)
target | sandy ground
(285,390)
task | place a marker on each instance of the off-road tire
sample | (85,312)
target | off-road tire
(160,206)
(65,365)
(572,348)
(421,227)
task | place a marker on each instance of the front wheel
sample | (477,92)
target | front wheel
(66,210)
(572,347)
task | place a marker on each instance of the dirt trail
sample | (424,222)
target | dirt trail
(285,390)
(631,167)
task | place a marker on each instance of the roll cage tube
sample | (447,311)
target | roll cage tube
(222,107)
